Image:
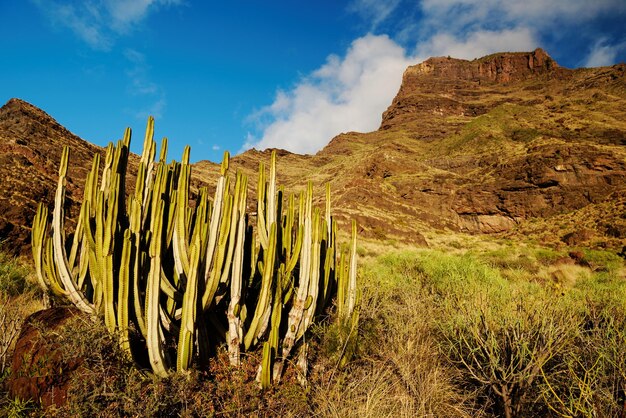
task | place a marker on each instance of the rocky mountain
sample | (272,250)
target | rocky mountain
(31,143)
(510,143)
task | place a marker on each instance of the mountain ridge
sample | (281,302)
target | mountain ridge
(481,146)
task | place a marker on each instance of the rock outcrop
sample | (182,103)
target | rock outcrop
(40,371)
(495,68)
(447,86)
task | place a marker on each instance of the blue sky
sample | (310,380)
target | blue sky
(240,74)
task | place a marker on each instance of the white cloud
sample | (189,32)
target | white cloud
(84,19)
(374,11)
(350,92)
(134,56)
(478,44)
(125,13)
(345,94)
(603,54)
(472,28)
(155,109)
(99,22)
(140,83)
(141,88)
(536,13)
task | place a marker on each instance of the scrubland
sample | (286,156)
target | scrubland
(469,327)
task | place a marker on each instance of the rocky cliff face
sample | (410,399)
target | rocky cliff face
(496,68)
(499,140)
(482,146)
(447,86)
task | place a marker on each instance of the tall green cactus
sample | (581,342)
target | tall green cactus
(176,272)
(348,299)
(235,330)
(68,279)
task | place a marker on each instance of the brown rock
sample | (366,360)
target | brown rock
(579,258)
(578,238)
(39,370)
(499,68)
(455,84)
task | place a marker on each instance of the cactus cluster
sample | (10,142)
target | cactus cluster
(174,282)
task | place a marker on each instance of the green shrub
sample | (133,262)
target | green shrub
(17,408)
(598,292)
(505,259)
(439,335)
(13,277)
(458,277)
(520,347)
(590,377)
(17,292)
(604,261)
(547,256)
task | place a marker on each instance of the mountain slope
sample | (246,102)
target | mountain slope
(31,143)
(484,146)
(480,146)
(481,150)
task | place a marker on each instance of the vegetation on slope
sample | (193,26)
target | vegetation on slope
(19,297)
(474,328)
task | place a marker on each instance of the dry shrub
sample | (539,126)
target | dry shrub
(10,323)
(503,349)
(537,350)
(591,378)
(14,279)
(399,371)
(565,276)
(430,324)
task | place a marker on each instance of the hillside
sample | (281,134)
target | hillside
(30,151)
(510,143)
